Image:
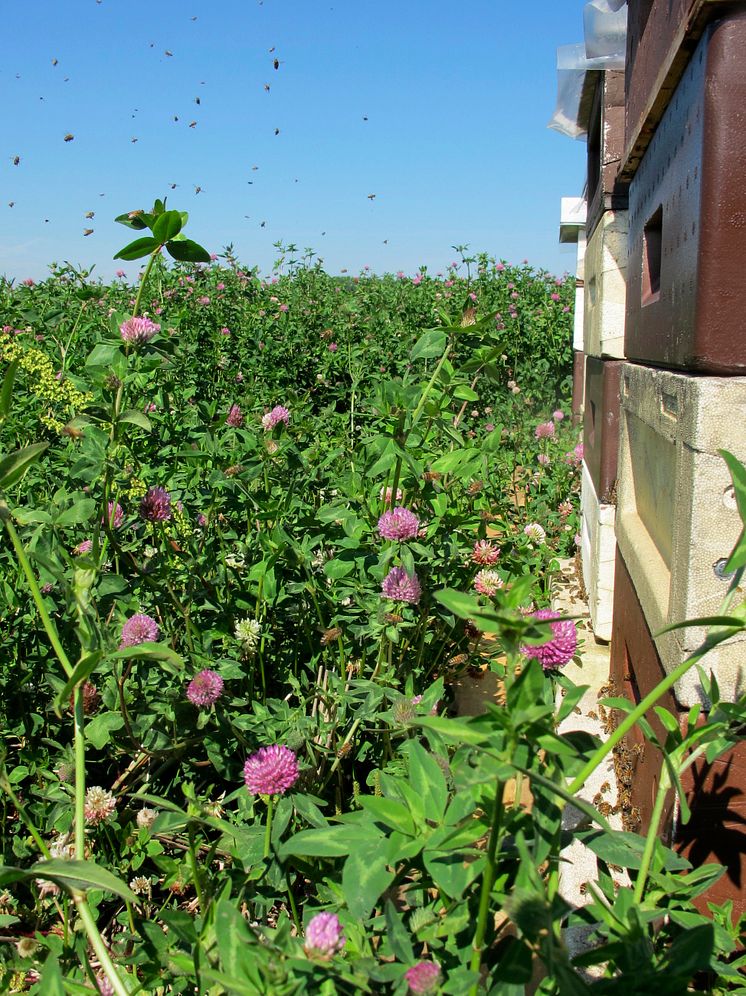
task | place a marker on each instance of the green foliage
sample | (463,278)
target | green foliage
(267,568)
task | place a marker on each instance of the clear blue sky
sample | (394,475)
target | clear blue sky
(455,146)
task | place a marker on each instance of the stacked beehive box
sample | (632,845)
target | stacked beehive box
(683,388)
(603,338)
(572,231)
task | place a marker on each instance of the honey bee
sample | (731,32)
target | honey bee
(68,137)
(54,62)
(371,197)
(169,54)
(197,100)
(16,160)
(277,131)
(276,63)
(198,190)
(87,231)
(192,124)
(90,214)
(266,87)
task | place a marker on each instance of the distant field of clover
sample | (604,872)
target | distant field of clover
(268,524)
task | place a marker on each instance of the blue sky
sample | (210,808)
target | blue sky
(455,146)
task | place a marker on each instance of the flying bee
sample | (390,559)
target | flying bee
(277,131)
(198,190)
(169,54)
(266,87)
(87,231)
(16,160)
(133,140)
(371,197)
(192,124)
(197,100)
(11,204)
(68,137)
(54,62)
(263,224)
(173,186)
(276,63)
(90,214)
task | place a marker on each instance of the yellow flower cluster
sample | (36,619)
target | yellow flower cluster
(137,489)
(59,397)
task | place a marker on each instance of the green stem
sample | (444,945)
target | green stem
(23,560)
(652,837)
(195,869)
(79,772)
(144,280)
(631,718)
(97,943)
(268,829)
(660,799)
(488,879)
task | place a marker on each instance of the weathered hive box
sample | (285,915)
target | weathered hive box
(716,793)
(661,36)
(606,286)
(605,145)
(572,232)
(687,217)
(578,385)
(677,520)
(601,424)
(598,552)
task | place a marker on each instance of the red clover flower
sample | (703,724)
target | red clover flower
(156,505)
(398,524)
(401,587)
(271,770)
(138,330)
(485,553)
(562,646)
(273,418)
(205,688)
(324,935)
(235,417)
(423,978)
(139,629)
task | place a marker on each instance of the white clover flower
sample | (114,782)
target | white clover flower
(248,633)
(141,886)
(535,533)
(146,817)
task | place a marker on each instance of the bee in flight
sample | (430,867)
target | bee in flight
(87,231)
(68,137)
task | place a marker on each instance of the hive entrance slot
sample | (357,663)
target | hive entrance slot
(651,258)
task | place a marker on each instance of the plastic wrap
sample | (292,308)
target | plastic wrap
(605,25)
(571,68)
(605,28)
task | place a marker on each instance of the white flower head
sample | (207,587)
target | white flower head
(248,633)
